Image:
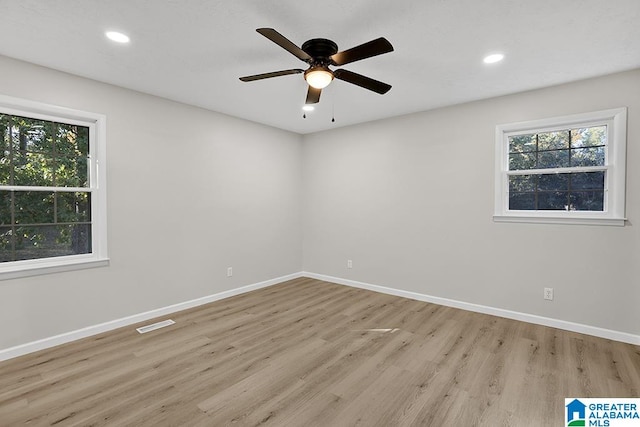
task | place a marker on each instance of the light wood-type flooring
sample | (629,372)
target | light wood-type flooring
(312,353)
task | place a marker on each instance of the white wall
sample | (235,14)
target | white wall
(190,192)
(410,201)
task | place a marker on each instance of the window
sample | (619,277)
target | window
(52,189)
(562,170)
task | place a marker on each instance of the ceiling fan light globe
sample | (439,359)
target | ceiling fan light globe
(318,78)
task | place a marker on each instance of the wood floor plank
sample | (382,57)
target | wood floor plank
(312,353)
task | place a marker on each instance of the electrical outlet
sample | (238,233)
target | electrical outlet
(349,263)
(229,271)
(548,293)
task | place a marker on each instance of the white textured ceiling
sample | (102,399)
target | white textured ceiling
(193,51)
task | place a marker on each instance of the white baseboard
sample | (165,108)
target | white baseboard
(530,318)
(31,347)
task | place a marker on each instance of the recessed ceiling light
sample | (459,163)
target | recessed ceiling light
(493,58)
(117,37)
(308,108)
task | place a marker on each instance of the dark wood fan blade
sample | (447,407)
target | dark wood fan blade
(366,50)
(269,75)
(362,81)
(284,43)
(313,95)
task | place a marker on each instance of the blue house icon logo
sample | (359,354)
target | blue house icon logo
(576,413)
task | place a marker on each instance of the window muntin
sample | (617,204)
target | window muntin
(562,169)
(52,192)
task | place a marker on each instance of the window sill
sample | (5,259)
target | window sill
(574,220)
(30,268)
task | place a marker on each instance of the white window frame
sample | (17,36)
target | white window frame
(97,187)
(615,172)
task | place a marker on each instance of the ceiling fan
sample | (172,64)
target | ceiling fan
(320,54)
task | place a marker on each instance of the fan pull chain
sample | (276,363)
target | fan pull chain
(333,106)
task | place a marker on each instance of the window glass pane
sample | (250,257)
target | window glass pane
(554,182)
(553,200)
(522,143)
(73,207)
(593,156)
(71,172)
(6,253)
(5,168)
(5,207)
(81,172)
(589,137)
(553,140)
(82,140)
(51,241)
(587,181)
(5,129)
(32,134)
(32,168)
(34,207)
(522,201)
(519,183)
(72,140)
(5,139)
(524,161)
(36,136)
(65,140)
(553,159)
(587,200)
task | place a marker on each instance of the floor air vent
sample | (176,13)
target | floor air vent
(154,326)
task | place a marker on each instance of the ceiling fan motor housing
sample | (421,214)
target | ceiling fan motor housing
(320,50)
